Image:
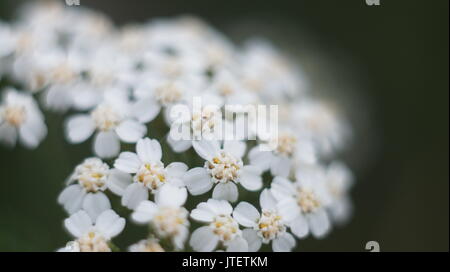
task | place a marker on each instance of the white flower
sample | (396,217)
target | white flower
(308,198)
(339,180)
(268,226)
(91,180)
(112,121)
(205,123)
(167,215)
(268,73)
(222,228)
(229,86)
(21,118)
(322,124)
(287,147)
(147,245)
(154,93)
(149,173)
(223,169)
(94,236)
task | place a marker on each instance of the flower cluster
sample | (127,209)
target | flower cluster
(120,85)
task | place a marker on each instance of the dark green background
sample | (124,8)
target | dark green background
(396,57)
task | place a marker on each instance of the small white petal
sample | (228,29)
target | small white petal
(131,131)
(226,191)
(118,181)
(202,214)
(203,240)
(267,201)
(145,110)
(32,132)
(236,148)
(72,198)
(253,240)
(149,150)
(319,223)
(78,223)
(198,181)
(144,212)
(280,166)
(282,188)
(219,206)
(238,244)
(246,214)
(176,169)
(206,149)
(180,238)
(128,162)
(106,144)
(251,178)
(299,226)
(79,128)
(133,195)
(170,195)
(179,146)
(96,203)
(109,223)
(288,209)
(283,243)
(262,159)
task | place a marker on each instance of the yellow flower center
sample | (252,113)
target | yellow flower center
(270,226)
(152,175)
(169,220)
(93,242)
(92,175)
(105,118)
(14,115)
(307,200)
(224,168)
(225,227)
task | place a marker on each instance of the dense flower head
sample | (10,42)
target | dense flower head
(129,87)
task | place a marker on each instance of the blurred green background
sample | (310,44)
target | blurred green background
(388,63)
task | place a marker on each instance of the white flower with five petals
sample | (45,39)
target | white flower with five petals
(20,118)
(94,235)
(167,215)
(268,226)
(149,173)
(222,230)
(223,169)
(113,121)
(86,188)
(308,198)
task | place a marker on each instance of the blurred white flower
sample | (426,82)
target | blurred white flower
(308,198)
(339,180)
(167,215)
(268,226)
(20,118)
(222,230)
(94,235)
(149,173)
(223,169)
(112,122)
